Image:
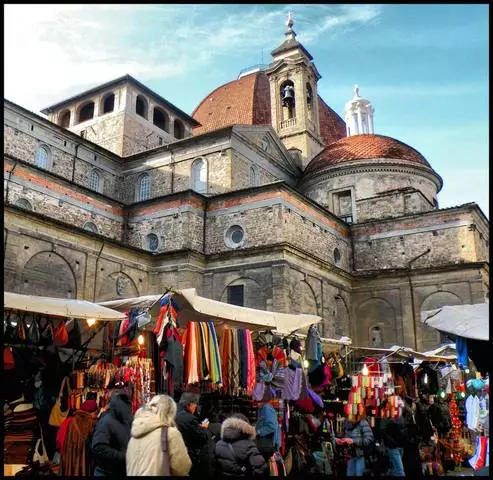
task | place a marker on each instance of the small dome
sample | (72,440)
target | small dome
(364,147)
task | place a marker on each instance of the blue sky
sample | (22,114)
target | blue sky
(424,67)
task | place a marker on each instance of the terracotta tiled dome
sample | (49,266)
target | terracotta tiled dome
(364,147)
(246,101)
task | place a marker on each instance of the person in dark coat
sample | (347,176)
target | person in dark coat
(411,458)
(237,453)
(111,437)
(195,434)
(393,435)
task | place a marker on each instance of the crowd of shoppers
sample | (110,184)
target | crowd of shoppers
(164,439)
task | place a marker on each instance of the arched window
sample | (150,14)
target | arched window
(144,188)
(288,100)
(109,103)
(95,181)
(337,256)
(152,241)
(24,203)
(253,177)
(199,175)
(42,158)
(65,119)
(91,227)
(376,336)
(160,119)
(309,95)
(141,106)
(179,129)
(86,112)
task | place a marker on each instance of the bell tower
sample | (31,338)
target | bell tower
(293,81)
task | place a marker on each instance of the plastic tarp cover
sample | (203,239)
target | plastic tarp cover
(468,321)
(60,307)
(198,309)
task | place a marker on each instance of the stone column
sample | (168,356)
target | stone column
(281,301)
(360,121)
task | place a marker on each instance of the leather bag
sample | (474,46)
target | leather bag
(164,449)
(56,414)
(46,334)
(8,359)
(21,330)
(60,334)
(9,331)
(33,335)
(43,457)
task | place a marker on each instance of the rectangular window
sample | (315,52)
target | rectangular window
(343,205)
(236,295)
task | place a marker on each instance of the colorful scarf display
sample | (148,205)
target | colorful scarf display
(238,361)
(202,361)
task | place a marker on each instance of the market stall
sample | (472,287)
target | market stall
(469,394)
(43,338)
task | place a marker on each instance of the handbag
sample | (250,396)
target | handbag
(33,335)
(56,414)
(60,334)
(164,449)
(8,359)
(20,334)
(74,338)
(46,334)
(43,458)
(9,329)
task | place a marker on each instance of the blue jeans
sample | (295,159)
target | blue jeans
(355,467)
(395,457)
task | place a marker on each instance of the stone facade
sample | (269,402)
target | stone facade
(68,235)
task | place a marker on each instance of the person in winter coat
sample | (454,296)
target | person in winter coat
(411,459)
(393,435)
(236,452)
(268,431)
(144,451)
(359,431)
(111,436)
(194,433)
(75,455)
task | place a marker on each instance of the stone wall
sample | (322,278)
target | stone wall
(368,183)
(62,201)
(392,244)
(393,204)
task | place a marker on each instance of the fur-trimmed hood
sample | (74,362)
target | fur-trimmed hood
(234,429)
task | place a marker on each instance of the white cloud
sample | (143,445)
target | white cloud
(54,51)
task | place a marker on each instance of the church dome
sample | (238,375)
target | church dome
(246,101)
(364,147)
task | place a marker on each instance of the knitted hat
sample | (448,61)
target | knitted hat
(89,406)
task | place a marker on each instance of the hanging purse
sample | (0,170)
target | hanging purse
(20,331)
(9,329)
(56,414)
(33,333)
(43,458)
(8,359)
(46,334)
(60,334)
(74,335)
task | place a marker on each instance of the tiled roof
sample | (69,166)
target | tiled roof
(364,147)
(246,101)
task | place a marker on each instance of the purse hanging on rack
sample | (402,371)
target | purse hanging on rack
(46,333)
(20,334)
(9,329)
(43,457)
(33,335)
(56,414)
(60,334)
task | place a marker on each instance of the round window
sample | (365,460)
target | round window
(337,256)
(235,236)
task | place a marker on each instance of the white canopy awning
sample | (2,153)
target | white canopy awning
(468,321)
(60,307)
(196,308)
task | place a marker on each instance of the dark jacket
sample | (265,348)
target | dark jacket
(111,436)
(411,428)
(236,452)
(440,417)
(393,433)
(194,436)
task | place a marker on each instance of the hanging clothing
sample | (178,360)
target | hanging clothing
(472,406)
(462,354)
(312,343)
